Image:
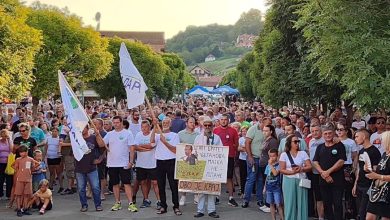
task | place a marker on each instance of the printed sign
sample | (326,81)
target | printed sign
(200,187)
(204,163)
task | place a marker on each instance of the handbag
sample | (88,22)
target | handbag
(303,182)
(379,189)
(9,170)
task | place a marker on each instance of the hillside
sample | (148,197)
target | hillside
(219,66)
(195,43)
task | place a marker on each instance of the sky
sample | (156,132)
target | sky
(169,16)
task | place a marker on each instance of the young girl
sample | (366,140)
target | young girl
(40,172)
(42,199)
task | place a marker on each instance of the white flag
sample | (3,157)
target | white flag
(76,118)
(132,80)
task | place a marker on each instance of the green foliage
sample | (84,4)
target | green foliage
(350,44)
(69,47)
(195,43)
(18,45)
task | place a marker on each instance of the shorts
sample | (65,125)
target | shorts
(274,197)
(315,185)
(101,168)
(69,167)
(146,174)
(119,174)
(23,188)
(54,161)
(230,169)
(39,206)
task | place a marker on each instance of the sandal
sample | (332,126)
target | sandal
(161,211)
(177,211)
(42,211)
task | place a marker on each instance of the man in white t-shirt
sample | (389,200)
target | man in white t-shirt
(146,164)
(166,159)
(134,122)
(375,138)
(119,162)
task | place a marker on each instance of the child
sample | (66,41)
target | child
(40,172)
(273,185)
(42,198)
(23,185)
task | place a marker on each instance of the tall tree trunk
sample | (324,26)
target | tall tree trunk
(349,108)
(35,102)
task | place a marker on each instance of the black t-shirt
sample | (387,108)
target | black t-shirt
(86,165)
(327,157)
(375,157)
(29,142)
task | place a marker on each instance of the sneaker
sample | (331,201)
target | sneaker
(60,190)
(260,204)
(213,215)
(19,213)
(132,207)
(117,206)
(232,202)
(146,203)
(84,209)
(245,205)
(198,215)
(265,209)
(99,208)
(26,212)
(183,200)
(158,207)
(66,192)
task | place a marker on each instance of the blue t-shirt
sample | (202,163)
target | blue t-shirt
(272,182)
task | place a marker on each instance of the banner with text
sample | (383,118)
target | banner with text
(201,168)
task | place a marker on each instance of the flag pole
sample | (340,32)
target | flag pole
(153,116)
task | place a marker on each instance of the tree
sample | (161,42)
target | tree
(249,23)
(19,44)
(69,47)
(350,44)
(149,64)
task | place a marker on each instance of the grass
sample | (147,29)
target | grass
(220,66)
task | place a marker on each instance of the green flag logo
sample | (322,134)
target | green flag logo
(73,103)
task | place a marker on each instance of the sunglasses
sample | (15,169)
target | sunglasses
(380,123)
(340,129)
(296,141)
(22,130)
(208,126)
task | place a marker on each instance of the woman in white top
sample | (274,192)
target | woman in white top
(53,157)
(293,165)
(242,158)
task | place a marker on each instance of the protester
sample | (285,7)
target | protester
(42,198)
(54,159)
(207,138)
(6,148)
(294,164)
(39,173)
(329,161)
(119,161)
(166,142)
(381,178)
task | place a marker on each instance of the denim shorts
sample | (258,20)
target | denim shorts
(274,197)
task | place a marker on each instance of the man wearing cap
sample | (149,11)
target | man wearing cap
(207,138)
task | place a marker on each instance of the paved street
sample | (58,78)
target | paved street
(66,207)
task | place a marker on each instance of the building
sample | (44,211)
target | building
(155,40)
(210,82)
(198,71)
(246,40)
(209,58)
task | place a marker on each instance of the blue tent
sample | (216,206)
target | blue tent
(225,90)
(198,90)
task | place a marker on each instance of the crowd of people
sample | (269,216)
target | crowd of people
(297,164)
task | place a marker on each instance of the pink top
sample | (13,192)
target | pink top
(4,151)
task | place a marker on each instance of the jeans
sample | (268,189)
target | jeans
(332,196)
(252,177)
(166,170)
(93,179)
(210,203)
